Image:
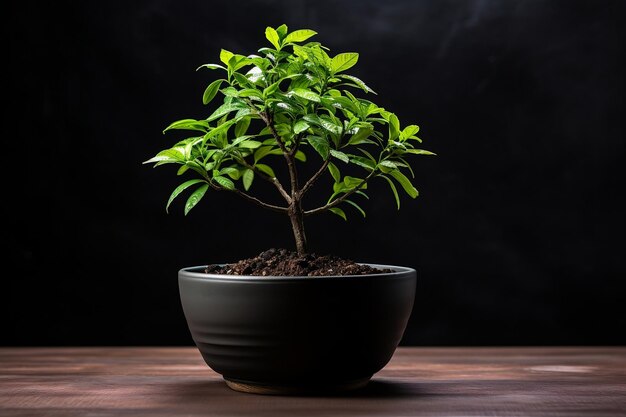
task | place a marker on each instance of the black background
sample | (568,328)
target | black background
(517,236)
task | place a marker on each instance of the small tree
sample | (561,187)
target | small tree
(298,96)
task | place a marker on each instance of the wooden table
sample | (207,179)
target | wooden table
(417,382)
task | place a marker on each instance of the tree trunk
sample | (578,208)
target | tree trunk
(296,215)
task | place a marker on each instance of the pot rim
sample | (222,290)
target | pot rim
(192,272)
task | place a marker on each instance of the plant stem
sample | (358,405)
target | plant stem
(289,157)
(295,212)
(296,215)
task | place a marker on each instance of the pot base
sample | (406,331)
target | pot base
(268,389)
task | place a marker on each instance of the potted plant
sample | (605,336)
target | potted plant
(284,321)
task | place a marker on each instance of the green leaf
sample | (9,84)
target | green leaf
(286,106)
(356,206)
(320,144)
(405,164)
(320,56)
(242,126)
(300,126)
(266,169)
(282,30)
(188,124)
(343,61)
(283,129)
(338,188)
(395,145)
(394,127)
(420,152)
(242,80)
(230,92)
(300,35)
(250,144)
(393,188)
(195,198)
(167,155)
(358,82)
(361,136)
(369,155)
(339,212)
(231,172)
(238,62)
(225,109)
(182,187)
(388,164)
(272,36)
(262,152)
(334,171)
(219,130)
(250,92)
(225,56)
(255,75)
(211,91)
(405,183)
(300,51)
(248,177)
(409,131)
(271,89)
(211,66)
(306,94)
(363,162)
(362,193)
(181,171)
(331,126)
(323,123)
(224,182)
(352,182)
(340,155)
(342,102)
(240,139)
(300,156)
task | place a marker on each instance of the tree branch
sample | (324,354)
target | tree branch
(267,118)
(296,143)
(250,198)
(293,174)
(267,178)
(342,198)
(314,178)
(263,204)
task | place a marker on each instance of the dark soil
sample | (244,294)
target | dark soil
(281,262)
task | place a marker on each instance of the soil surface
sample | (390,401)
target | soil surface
(282,262)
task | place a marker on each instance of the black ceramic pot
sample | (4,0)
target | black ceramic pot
(297,334)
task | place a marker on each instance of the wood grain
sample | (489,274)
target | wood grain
(417,382)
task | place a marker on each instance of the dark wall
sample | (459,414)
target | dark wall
(517,236)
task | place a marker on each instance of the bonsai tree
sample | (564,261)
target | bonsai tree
(292,99)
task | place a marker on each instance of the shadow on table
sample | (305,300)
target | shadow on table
(385,389)
(199,390)
(378,398)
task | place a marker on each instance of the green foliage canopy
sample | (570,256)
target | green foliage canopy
(291,99)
